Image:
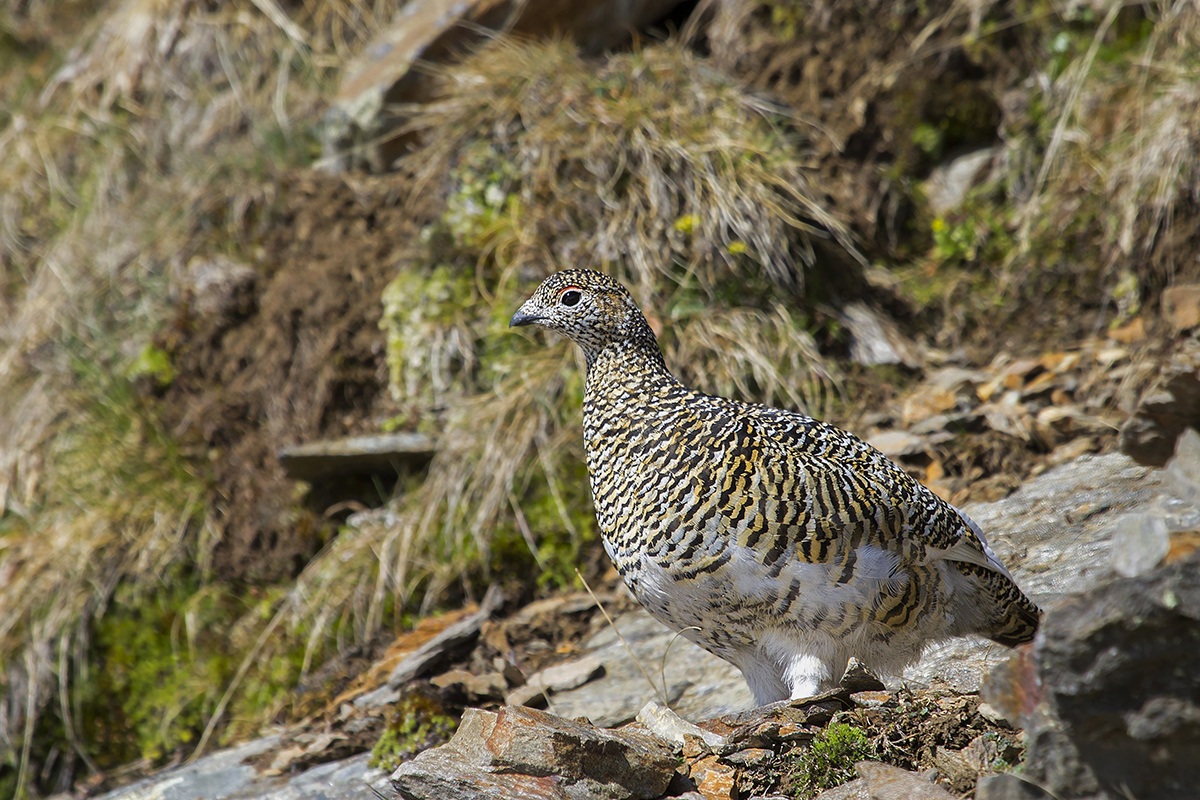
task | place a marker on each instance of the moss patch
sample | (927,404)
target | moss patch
(828,760)
(416,722)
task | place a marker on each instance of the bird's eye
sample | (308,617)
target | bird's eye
(570,297)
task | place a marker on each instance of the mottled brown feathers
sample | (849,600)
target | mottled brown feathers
(779,542)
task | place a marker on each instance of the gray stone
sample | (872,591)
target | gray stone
(1119,666)
(897,444)
(948,183)
(213,777)
(568,675)
(222,288)
(698,685)
(885,782)
(1139,545)
(669,726)
(313,461)
(876,339)
(854,790)
(1183,470)
(349,779)
(524,753)
(1009,787)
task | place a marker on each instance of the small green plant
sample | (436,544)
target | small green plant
(417,722)
(829,761)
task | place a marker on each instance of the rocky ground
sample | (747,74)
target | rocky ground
(583,695)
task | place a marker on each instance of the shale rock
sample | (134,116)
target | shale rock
(525,753)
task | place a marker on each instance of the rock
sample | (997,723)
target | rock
(1009,787)
(1181,306)
(1011,690)
(222,288)
(212,777)
(854,790)
(524,753)
(1145,540)
(926,402)
(714,779)
(488,686)
(383,452)
(434,654)
(1139,545)
(875,339)
(1166,411)
(669,726)
(697,684)
(561,677)
(363,115)
(857,678)
(948,183)
(1119,666)
(782,722)
(1057,424)
(872,699)
(228,775)
(886,782)
(1183,470)
(897,444)
(448,644)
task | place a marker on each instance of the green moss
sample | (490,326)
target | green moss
(153,363)
(829,760)
(164,667)
(417,722)
(424,312)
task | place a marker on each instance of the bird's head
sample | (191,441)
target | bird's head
(587,306)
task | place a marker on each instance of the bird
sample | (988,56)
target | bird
(778,542)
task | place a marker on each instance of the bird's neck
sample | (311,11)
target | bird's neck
(627,369)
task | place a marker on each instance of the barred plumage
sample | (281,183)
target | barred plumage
(774,540)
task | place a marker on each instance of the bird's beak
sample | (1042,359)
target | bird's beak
(524,318)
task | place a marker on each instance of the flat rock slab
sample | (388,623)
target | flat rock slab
(521,752)
(694,683)
(313,461)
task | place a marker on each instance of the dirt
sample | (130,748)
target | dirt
(863,85)
(302,358)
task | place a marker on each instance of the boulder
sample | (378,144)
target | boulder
(362,124)
(523,753)
(1119,667)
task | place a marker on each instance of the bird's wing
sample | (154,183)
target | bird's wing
(879,505)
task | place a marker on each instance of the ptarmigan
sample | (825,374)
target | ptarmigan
(778,542)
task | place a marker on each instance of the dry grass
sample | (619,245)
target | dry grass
(1115,157)
(649,161)
(101,163)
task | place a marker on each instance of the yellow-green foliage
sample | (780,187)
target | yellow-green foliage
(828,760)
(416,722)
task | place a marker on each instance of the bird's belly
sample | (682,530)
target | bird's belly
(741,600)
